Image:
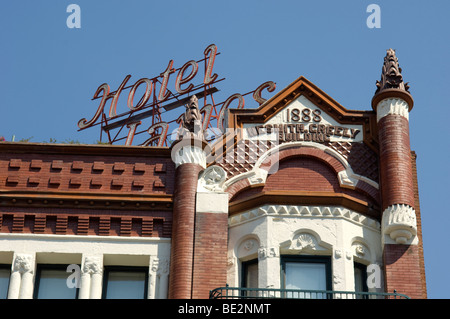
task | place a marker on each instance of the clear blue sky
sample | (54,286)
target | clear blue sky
(49,72)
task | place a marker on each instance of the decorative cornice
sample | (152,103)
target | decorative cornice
(302,198)
(85,200)
(399,223)
(303,211)
(83,149)
(85,238)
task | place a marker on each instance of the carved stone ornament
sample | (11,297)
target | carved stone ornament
(305,242)
(160,266)
(191,120)
(248,247)
(399,222)
(269,252)
(213,179)
(360,250)
(23,263)
(92,265)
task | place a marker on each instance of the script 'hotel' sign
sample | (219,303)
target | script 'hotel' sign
(300,121)
(157,101)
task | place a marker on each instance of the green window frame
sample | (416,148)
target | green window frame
(360,276)
(324,261)
(61,278)
(5,271)
(126,270)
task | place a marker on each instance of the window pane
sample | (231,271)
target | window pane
(53,285)
(358,280)
(306,276)
(4,282)
(251,276)
(310,276)
(125,285)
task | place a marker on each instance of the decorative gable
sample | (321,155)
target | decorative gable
(303,112)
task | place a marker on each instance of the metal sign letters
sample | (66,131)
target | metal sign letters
(157,100)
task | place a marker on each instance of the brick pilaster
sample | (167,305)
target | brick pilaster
(402,270)
(182,248)
(210,244)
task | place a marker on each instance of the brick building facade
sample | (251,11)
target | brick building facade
(300,185)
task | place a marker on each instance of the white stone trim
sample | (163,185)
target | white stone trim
(212,179)
(281,230)
(189,154)
(300,211)
(22,276)
(399,225)
(91,277)
(210,197)
(392,106)
(305,241)
(89,251)
(211,202)
(158,282)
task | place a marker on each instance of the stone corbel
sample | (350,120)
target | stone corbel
(399,224)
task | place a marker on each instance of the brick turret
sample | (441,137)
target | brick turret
(200,215)
(392,103)
(190,161)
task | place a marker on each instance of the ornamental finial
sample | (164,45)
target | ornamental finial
(391,83)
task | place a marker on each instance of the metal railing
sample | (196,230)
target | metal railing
(269,293)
